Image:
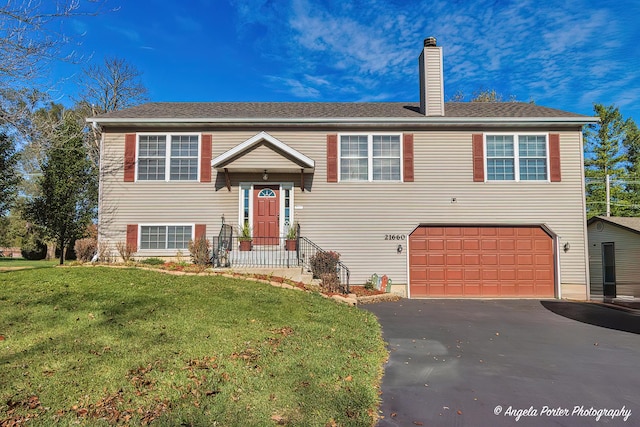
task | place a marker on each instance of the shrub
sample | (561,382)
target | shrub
(200,253)
(85,249)
(125,250)
(324,266)
(33,249)
(369,284)
(152,261)
(91,231)
(330,282)
(105,254)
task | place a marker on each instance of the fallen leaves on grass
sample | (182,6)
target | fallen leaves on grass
(248,355)
(279,419)
(284,331)
(16,411)
(204,363)
(139,378)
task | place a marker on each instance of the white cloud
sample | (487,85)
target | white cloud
(554,53)
(293,86)
(128,33)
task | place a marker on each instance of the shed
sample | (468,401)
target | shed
(614,256)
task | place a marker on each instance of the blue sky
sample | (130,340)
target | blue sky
(562,54)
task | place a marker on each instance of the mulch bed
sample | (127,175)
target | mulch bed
(361,291)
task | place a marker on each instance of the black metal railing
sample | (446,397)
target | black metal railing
(255,252)
(307,250)
(280,252)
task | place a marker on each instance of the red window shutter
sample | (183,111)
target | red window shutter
(332,158)
(132,236)
(205,159)
(554,157)
(201,231)
(129,157)
(478,157)
(407,151)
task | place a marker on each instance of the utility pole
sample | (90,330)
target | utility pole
(608,186)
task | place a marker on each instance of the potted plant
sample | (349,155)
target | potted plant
(291,242)
(245,237)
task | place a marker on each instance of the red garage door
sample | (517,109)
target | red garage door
(451,261)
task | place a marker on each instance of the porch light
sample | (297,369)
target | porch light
(265,175)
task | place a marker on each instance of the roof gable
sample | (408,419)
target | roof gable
(263,152)
(627,223)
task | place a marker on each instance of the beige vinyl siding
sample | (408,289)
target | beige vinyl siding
(431,83)
(353,218)
(262,157)
(147,202)
(627,254)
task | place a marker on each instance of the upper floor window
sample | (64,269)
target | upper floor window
(168,157)
(516,157)
(370,157)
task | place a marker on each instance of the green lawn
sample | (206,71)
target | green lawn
(107,346)
(15,263)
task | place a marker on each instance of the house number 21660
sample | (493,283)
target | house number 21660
(395,237)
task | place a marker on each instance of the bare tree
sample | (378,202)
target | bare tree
(483,95)
(112,85)
(28,39)
(31,37)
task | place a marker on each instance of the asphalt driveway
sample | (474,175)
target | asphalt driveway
(509,363)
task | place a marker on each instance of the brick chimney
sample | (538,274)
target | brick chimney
(431,81)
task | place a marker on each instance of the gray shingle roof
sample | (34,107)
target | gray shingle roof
(632,223)
(310,110)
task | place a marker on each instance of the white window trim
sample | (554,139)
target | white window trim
(167,168)
(516,157)
(165,250)
(281,187)
(370,136)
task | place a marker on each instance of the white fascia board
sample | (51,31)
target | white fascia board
(256,139)
(356,120)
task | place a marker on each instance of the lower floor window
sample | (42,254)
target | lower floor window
(165,236)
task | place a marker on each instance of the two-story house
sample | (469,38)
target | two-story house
(446,199)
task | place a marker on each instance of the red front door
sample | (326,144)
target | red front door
(266,215)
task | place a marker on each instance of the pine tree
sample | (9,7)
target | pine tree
(67,197)
(604,155)
(632,184)
(9,178)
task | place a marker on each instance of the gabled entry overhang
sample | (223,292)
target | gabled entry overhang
(263,152)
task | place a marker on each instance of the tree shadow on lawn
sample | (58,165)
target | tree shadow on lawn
(595,314)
